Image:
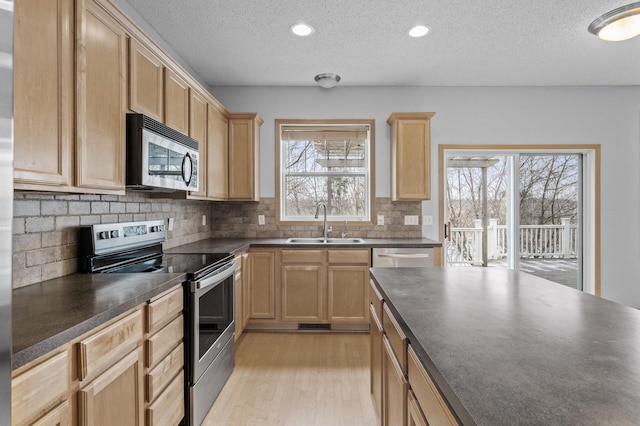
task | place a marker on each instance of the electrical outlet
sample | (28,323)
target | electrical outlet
(170,227)
(427,220)
(411,219)
(204,220)
(260,219)
(380,220)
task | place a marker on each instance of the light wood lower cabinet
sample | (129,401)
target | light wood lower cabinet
(41,391)
(347,293)
(394,392)
(262,284)
(414,413)
(168,408)
(115,396)
(376,349)
(59,416)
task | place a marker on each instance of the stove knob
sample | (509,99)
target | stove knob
(154,229)
(115,234)
(103,235)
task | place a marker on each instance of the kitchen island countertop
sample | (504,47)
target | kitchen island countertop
(508,348)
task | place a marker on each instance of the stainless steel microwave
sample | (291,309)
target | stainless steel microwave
(159,158)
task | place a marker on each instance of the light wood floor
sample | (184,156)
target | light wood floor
(297,379)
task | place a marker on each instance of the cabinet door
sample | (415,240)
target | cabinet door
(244,158)
(262,288)
(146,88)
(239,302)
(394,393)
(376,361)
(168,409)
(410,156)
(115,396)
(217,155)
(301,291)
(176,102)
(43,84)
(245,290)
(59,416)
(348,294)
(198,131)
(414,414)
(101,99)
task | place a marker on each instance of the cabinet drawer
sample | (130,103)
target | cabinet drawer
(161,375)
(39,388)
(301,256)
(168,409)
(59,416)
(160,344)
(358,257)
(396,337)
(414,413)
(395,388)
(432,403)
(104,347)
(164,309)
(375,298)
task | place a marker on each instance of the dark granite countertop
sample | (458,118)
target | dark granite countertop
(49,314)
(508,348)
(233,246)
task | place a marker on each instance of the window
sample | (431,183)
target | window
(328,162)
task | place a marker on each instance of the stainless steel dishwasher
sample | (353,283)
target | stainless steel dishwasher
(398,257)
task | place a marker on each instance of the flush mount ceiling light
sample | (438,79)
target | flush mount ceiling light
(620,24)
(327,80)
(418,31)
(302,29)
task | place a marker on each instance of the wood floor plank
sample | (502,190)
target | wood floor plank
(296,379)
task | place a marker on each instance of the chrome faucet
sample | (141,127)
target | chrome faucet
(325,231)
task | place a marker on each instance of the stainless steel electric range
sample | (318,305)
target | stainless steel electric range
(136,247)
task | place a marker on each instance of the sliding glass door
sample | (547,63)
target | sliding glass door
(515,209)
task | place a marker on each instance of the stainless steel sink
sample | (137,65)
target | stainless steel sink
(321,240)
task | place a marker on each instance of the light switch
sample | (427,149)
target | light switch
(411,219)
(204,220)
(170,227)
(260,219)
(380,220)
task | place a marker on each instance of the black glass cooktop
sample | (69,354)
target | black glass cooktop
(192,264)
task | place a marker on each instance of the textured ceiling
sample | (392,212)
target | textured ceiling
(471,43)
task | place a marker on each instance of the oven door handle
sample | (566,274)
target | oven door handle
(405,255)
(214,278)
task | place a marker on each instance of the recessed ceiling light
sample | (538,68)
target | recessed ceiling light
(419,31)
(619,24)
(302,29)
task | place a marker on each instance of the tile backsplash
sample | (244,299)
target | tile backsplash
(240,220)
(45,226)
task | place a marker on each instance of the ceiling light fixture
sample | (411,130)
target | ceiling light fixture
(620,24)
(419,31)
(327,80)
(302,29)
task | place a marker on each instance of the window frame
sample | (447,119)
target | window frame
(370,203)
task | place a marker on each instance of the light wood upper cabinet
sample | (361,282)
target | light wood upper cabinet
(410,156)
(146,84)
(176,102)
(244,157)
(217,155)
(43,101)
(198,131)
(100,99)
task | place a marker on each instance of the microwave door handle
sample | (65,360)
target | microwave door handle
(187,165)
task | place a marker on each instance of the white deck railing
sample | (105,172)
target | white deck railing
(536,241)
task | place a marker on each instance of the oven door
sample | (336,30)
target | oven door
(212,317)
(167,163)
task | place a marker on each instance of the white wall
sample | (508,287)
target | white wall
(609,116)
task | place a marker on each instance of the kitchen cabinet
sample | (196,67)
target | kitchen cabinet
(217,154)
(375,359)
(100,99)
(414,413)
(176,102)
(115,396)
(146,85)
(42,391)
(347,282)
(244,157)
(302,285)
(164,359)
(198,131)
(410,156)
(262,287)
(241,294)
(394,393)
(43,101)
